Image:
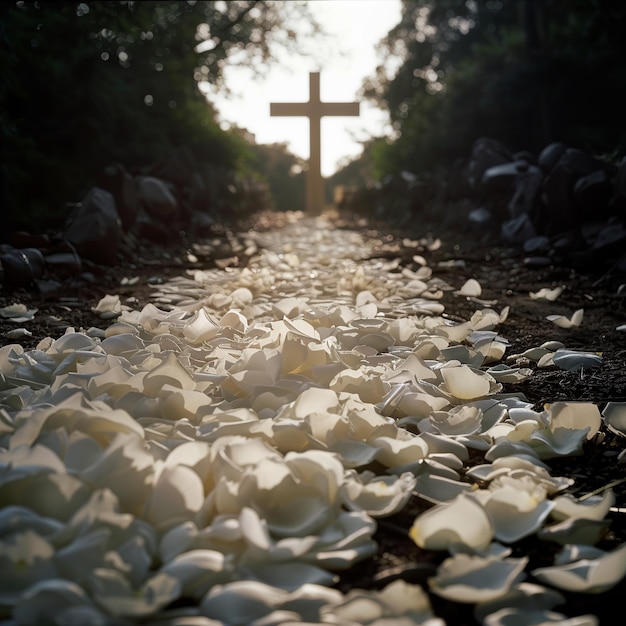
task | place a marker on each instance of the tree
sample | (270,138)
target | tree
(526,72)
(89,83)
(283,171)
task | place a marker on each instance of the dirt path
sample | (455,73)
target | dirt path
(291,308)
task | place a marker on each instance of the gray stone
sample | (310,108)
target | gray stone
(518,229)
(21,267)
(486,153)
(501,178)
(558,189)
(95,229)
(540,243)
(116,180)
(181,169)
(525,155)
(157,199)
(550,155)
(611,236)
(620,179)
(593,192)
(480,216)
(526,192)
(537,261)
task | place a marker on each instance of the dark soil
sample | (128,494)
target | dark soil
(590,283)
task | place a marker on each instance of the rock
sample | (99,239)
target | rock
(180,168)
(526,193)
(501,178)
(592,193)
(603,247)
(201,224)
(537,261)
(569,241)
(177,168)
(525,155)
(540,243)
(480,217)
(22,267)
(512,188)
(550,155)
(611,238)
(95,229)
(518,229)
(116,180)
(618,201)
(557,192)
(23,239)
(50,288)
(157,199)
(156,231)
(486,153)
(64,264)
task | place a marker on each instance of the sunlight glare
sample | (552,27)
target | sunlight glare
(355,29)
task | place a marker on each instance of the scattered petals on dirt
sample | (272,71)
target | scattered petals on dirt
(238,440)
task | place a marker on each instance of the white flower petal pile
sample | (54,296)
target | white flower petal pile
(219,456)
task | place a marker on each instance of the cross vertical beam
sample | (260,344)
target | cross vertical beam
(314,109)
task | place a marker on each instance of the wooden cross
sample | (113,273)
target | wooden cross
(314,109)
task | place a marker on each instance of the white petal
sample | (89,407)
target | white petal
(597,507)
(511,523)
(576,360)
(113,591)
(614,414)
(459,420)
(439,489)
(25,559)
(564,322)
(587,576)
(177,495)
(462,521)
(396,452)
(18,333)
(126,468)
(169,372)
(240,603)
(471,288)
(290,575)
(575,530)
(33,608)
(505,374)
(378,495)
(472,579)
(198,571)
(17,313)
(560,442)
(546,295)
(536,617)
(522,597)
(465,383)
(108,304)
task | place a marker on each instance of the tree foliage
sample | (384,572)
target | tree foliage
(526,72)
(283,171)
(94,82)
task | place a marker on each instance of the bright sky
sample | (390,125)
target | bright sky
(355,26)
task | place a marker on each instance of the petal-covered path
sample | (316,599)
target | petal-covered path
(225,454)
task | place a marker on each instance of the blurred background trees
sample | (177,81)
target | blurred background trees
(86,84)
(525,72)
(89,83)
